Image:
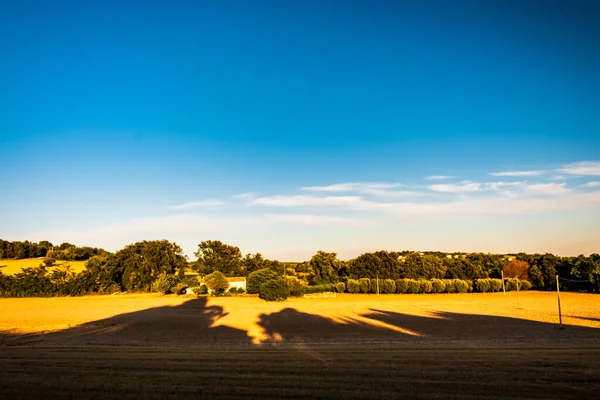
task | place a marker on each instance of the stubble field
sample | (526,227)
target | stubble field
(353,346)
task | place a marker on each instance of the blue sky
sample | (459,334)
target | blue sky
(285,127)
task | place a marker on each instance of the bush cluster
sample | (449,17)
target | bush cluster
(274,290)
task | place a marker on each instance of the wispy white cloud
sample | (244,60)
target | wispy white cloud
(303,200)
(551,189)
(438,177)
(518,173)
(584,168)
(244,196)
(461,187)
(318,220)
(557,178)
(591,184)
(367,188)
(197,204)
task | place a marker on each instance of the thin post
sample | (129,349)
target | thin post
(518,297)
(378,285)
(503,288)
(558,295)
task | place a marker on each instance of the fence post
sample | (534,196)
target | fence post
(558,295)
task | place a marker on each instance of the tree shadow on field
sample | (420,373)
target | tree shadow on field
(190,324)
(193,325)
(379,328)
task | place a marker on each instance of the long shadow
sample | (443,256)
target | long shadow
(448,328)
(384,328)
(187,325)
(192,324)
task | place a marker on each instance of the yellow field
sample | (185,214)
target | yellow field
(455,346)
(466,318)
(11,266)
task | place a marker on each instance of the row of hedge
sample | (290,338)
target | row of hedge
(402,286)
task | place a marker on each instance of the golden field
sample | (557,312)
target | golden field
(12,266)
(353,346)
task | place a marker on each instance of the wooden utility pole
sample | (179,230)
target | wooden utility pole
(558,295)
(503,288)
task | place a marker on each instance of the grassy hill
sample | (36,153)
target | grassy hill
(11,266)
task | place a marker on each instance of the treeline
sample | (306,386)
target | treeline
(134,268)
(66,251)
(138,266)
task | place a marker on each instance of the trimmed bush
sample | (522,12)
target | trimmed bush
(414,286)
(373,286)
(340,287)
(402,286)
(365,285)
(483,285)
(426,286)
(511,284)
(236,290)
(450,288)
(216,282)
(470,286)
(327,287)
(438,286)
(388,286)
(525,285)
(461,286)
(496,285)
(353,286)
(274,290)
(257,278)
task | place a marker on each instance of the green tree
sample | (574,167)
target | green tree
(139,264)
(257,278)
(324,268)
(217,256)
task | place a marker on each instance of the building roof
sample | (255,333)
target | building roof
(236,279)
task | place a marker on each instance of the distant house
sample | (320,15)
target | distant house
(237,282)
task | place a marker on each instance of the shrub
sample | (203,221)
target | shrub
(216,282)
(461,286)
(413,286)
(373,285)
(274,290)
(469,286)
(483,285)
(163,283)
(426,286)
(525,285)
(340,287)
(402,285)
(365,285)
(327,287)
(198,290)
(236,290)
(388,286)
(438,286)
(511,284)
(353,286)
(257,278)
(496,285)
(296,285)
(450,288)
